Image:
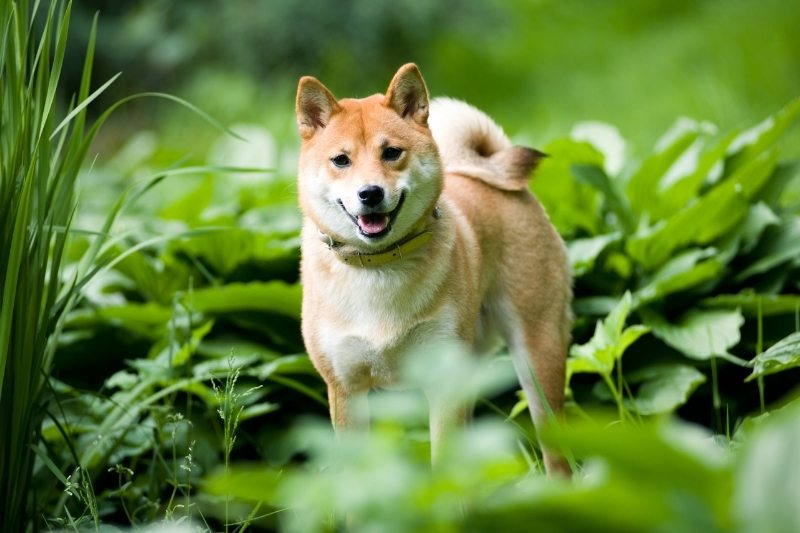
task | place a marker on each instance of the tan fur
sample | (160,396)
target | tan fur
(494,265)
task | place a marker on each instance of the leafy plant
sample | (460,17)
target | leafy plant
(41,154)
(706,218)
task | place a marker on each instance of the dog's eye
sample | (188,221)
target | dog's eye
(341,161)
(391,153)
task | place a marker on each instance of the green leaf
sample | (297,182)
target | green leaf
(644,183)
(719,210)
(783,355)
(654,462)
(609,342)
(768,467)
(571,205)
(272,296)
(685,188)
(699,334)
(762,137)
(174,353)
(682,272)
(759,218)
(583,253)
(222,347)
(749,302)
(664,388)
(135,316)
(223,250)
(616,202)
(777,247)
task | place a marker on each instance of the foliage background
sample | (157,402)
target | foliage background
(206,258)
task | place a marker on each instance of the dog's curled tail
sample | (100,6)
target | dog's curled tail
(472,144)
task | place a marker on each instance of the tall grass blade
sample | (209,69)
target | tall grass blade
(38,170)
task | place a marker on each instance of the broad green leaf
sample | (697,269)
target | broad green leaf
(749,302)
(710,217)
(271,296)
(762,137)
(583,253)
(663,388)
(287,364)
(136,315)
(614,200)
(222,347)
(783,189)
(781,356)
(778,246)
(230,247)
(155,278)
(609,342)
(767,473)
(684,189)
(594,305)
(571,205)
(606,139)
(644,183)
(759,218)
(699,334)
(689,269)
(222,250)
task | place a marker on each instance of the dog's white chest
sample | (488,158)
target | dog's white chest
(373,332)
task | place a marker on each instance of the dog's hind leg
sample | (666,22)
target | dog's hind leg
(538,351)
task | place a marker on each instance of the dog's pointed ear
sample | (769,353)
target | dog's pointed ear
(407,94)
(314,106)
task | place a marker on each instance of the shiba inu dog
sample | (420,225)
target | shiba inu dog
(419,226)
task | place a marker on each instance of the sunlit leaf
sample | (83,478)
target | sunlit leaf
(783,355)
(610,340)
(710,217)
(644,183)
(758,139)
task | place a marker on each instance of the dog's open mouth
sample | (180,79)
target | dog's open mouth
(374,225)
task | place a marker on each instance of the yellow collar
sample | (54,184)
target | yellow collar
(397,251)
(403,248)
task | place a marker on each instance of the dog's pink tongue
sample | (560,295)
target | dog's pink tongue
(373,223)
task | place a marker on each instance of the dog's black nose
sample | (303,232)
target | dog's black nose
(371,195)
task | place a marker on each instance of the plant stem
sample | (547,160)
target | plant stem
(759,349)
(615,393)
(715,394)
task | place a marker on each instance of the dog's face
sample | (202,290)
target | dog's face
(369,169)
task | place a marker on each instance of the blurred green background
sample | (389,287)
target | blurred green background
(537,66)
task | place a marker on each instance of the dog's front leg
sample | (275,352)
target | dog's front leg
(349,409)
(446,415)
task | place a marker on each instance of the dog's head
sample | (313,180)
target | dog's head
(369,169)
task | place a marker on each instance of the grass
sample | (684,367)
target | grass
(40,159)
